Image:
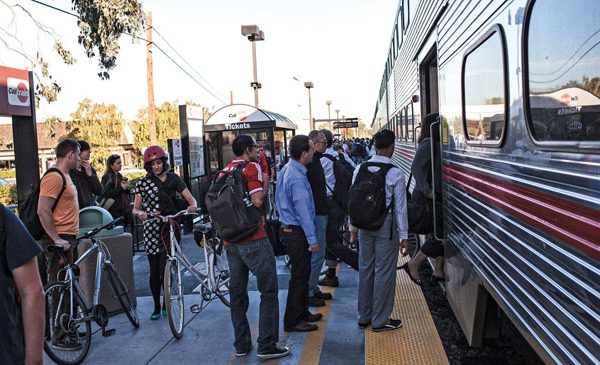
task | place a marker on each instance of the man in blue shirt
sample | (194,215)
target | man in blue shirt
(294,200)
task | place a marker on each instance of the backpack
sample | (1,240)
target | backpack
(367,200)
(343,171)
(231,210)
(28,211)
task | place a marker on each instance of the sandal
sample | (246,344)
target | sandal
(405,268)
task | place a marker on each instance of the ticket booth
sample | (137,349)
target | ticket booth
(230,121)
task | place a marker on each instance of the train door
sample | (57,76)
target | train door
(428,72)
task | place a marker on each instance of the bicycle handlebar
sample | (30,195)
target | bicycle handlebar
(172,216)
(107,227)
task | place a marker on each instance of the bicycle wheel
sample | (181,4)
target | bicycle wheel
(173,290)
(122,293)
(67,338)
(220,272)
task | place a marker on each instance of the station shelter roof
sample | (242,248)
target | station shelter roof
(242,116)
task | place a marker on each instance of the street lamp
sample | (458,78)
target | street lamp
(328,102)
(309,85)
(254,34)
(337,119)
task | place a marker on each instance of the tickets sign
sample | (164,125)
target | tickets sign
(15,92)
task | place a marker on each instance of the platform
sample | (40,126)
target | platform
(208,335)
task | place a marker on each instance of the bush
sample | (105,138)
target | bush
(134,177)
(8,174)
(8,194)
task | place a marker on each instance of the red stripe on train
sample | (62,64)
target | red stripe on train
(573,223)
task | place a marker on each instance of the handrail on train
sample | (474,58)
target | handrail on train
(433,173)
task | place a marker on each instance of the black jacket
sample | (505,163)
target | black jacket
(316,179)
(88,187)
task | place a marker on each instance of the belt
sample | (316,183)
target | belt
(290,228)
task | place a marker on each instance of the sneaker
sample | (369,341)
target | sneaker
(329,281)
(392,325)
(325,296)
(243,353)
(66,344)
(275,353)
(315,302)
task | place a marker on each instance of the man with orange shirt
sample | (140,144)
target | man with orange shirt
(253,254)
(60,221)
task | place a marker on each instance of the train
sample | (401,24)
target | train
(516,85)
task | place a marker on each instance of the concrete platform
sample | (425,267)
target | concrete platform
(208,335)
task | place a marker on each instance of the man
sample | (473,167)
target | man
(378,253)
(85,179)
(62,224)
(253,254)
(296,213)
(335,218)
(21,294)
(316,179)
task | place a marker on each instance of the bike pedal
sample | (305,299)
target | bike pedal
(108,333)
(195,308)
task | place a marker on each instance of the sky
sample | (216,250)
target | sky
(339,45)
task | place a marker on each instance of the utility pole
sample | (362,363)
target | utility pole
(231,97)
(150,73)
(328,102)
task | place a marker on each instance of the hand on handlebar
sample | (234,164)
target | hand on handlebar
(62,243)
(193,209)
(143,216)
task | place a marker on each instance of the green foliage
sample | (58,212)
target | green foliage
(101,24)
(134,177)
(100,125)
(167,125)
(8,174)
(8,194)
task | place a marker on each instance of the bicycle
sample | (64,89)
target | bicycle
(68,320)
(214,282)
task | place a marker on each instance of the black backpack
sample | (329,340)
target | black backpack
(28,211)
(231,210)
(366,200)
(343,171)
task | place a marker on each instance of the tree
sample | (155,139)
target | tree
(167,125)
(101,23)
(101,125)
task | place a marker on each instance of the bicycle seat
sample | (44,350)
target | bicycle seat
(203,227)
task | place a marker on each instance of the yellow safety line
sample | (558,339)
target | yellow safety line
(313,342)
(418,341)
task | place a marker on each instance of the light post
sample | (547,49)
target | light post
(254,35)
(328,102)
(309,85)
(337,119)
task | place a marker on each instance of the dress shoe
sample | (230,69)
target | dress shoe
(303,327)
(405,268)
(329,281)
(362,326)
(313,317)
(325,296)
(315,302)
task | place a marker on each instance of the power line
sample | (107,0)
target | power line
(185,61)
(157,46)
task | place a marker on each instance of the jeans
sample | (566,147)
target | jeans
(335,248)
(377,273)
(255,257)
(296,308)
(318,257)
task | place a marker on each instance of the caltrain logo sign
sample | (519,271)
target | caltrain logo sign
(15,92)
(18,92)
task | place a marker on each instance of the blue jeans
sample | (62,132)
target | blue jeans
(378,256)
(318,257)
(255,257)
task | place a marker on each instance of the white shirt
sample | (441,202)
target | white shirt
(328,168)
(395,186)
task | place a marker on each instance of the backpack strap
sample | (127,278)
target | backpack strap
(54,169)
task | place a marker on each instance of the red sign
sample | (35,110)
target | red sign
(15,92)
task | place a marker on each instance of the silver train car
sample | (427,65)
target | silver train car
(517,88)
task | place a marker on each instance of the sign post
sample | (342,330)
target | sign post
(17,99)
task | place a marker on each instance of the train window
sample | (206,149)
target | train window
(484,90)
(405,14)
(563,71)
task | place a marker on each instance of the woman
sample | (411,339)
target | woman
(156,193)
(116,189)
(421,170)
